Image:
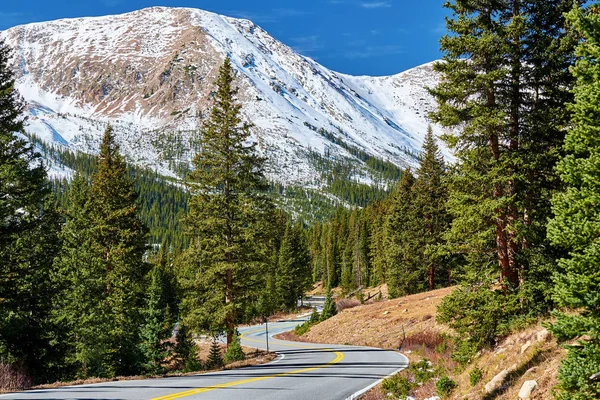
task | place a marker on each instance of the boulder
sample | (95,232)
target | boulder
(527,388)
(496,381)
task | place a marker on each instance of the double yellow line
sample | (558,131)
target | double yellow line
(339,356)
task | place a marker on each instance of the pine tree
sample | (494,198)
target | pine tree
(234,350)
(159,315)
(430,195)
(185,353)
(576,225)
(329,308)
(102,261)
(402,245)
(228,219)
(215,358)
(28,239)
(120,237)
(293,274)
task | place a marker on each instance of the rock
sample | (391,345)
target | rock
(405,310)
(527,388)
(543,335)
(496,381)
(525,346)
(433,398)
(386,312)
(500,350)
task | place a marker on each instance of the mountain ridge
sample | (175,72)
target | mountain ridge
(150,73)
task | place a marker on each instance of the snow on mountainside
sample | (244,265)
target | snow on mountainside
(151,74)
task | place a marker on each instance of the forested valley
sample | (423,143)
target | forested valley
(97,273)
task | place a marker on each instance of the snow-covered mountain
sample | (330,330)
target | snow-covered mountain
(150,73)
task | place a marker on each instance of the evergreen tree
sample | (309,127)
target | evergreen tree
(159,315)
(120,238)
(215,358)
(228,221)
(402,245)
(234,350)
(576,225)
(185,353)
(504,85)
(28,240)
(429,206)
(329,308)
(293,274)
(102,263)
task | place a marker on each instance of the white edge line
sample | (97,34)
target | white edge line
(371,386)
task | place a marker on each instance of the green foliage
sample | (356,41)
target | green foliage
(314,316)
(215,358)
(294,275)
(398,386)
(101,265)
(28,243)
(234,350)
(422,370)
(304,327)
(576,225)
(229,221)
(329,308)
(479,316)
(185,353)
(444,386)
(160,314)
(475,376)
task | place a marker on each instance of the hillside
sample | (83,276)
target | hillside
(150,74)
(526,355)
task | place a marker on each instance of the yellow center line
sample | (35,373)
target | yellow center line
(339,356)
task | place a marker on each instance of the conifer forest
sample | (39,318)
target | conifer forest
(100,271)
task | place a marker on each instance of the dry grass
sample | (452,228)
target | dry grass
(539,362)
(380,324)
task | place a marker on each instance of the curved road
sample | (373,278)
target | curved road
(302,371)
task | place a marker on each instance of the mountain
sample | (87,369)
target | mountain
(150,73)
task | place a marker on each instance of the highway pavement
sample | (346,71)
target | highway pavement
(302,371)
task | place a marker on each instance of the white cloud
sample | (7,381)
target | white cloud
(377,4)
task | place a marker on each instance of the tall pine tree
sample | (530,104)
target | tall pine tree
(228,220)
(576,225)
(28,239)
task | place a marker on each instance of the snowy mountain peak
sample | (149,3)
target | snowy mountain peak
(151,74)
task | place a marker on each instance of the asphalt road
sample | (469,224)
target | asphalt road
(302,371)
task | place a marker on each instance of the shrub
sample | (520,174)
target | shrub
(445,386)
(314,316)
(234,350)
(428,338)
(422,371)
(302,329)
(475,376)
(398,386)
(329,308)
(215,359)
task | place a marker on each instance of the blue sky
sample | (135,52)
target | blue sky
(360,37)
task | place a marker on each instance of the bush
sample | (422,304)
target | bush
(398,386)
(314,316)
(215,359)
(234,350)
(185,352)
(302,329)
(422,371)
(445,386)
(475,376)
(479,316)
(329,309)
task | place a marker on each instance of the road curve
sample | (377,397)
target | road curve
(303,371)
